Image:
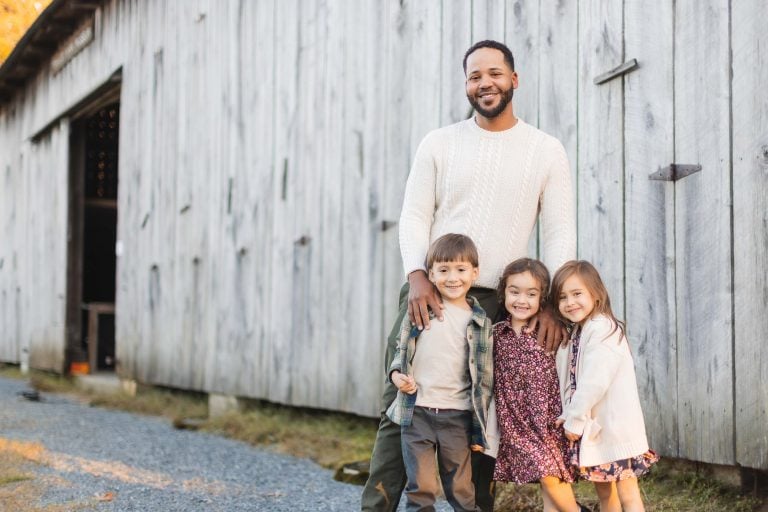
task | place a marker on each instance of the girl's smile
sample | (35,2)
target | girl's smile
(575,302)
(522,298)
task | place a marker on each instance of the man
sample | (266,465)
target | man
(487,177)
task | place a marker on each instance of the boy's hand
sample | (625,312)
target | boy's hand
(552,333)
(404,383)
(476,448)
(422,296)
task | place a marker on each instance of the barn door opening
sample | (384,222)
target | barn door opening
(93,235)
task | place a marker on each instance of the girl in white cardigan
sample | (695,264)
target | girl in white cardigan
(601,416)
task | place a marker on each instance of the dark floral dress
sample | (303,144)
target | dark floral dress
(527,406)
(610,471)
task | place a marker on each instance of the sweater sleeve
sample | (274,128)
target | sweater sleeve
(558,218)
(418,207)
(601,358)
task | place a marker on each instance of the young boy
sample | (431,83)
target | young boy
(444,387)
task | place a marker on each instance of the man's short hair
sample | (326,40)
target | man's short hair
(489,43)
(452,247)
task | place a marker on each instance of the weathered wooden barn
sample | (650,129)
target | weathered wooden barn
(217,185)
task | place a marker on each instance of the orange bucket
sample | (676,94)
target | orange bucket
(79,368)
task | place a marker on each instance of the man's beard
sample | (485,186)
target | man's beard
(506,97)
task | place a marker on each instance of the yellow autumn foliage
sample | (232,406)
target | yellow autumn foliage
(15,18)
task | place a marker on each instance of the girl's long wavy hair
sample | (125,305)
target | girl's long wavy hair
(595,286)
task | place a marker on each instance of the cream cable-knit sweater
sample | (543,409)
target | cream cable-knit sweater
(489,186)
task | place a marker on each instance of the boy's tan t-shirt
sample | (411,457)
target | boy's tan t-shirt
(440,362)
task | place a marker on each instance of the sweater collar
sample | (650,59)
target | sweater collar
(472,125)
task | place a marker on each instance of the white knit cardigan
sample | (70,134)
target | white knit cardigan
(605,408)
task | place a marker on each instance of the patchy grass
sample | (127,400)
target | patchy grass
(149,400)
(170,403)
(332,439)
(328,438)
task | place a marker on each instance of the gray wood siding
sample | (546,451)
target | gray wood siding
(750,230)
(650,235)
(264,148)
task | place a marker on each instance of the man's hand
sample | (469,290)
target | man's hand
(552,333)
(422,296)
(404,383)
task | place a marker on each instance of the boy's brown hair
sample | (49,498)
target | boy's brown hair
(452,247)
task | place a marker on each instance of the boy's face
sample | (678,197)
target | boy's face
(453,280)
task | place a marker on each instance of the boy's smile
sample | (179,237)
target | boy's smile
(453,280)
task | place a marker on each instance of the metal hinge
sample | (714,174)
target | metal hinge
(674,172)
(623,69)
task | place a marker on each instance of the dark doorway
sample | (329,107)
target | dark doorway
(93,235)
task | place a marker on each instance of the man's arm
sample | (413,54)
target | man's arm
(558,213)
(558,228)
(415,227)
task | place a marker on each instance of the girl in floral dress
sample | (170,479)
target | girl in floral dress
(532,448)
(601,414)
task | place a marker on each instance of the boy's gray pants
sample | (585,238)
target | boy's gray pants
(387,477)
(446,432)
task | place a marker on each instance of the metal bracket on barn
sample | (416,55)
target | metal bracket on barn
(625,68)
(674,172)
(387,224)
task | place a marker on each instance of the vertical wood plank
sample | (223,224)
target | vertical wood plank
(703,232)
(750,235)
(43,285)
(285,166)
(559,75)
(456,37)
(11,209)
(558,82)
(600,182)
(488,20)
(649,207)
(522,37)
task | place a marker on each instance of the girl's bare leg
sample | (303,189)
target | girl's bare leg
(629,495)
(609,497)
(557,495)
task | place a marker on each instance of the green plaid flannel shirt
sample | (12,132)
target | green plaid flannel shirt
(480,362)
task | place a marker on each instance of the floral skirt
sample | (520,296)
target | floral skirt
(616,470)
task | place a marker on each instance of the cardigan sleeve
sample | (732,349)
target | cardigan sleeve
(601,356)
(558,219)
(418,207)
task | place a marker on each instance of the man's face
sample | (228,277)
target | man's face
(490,82)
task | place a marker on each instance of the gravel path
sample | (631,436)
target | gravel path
(115,461)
